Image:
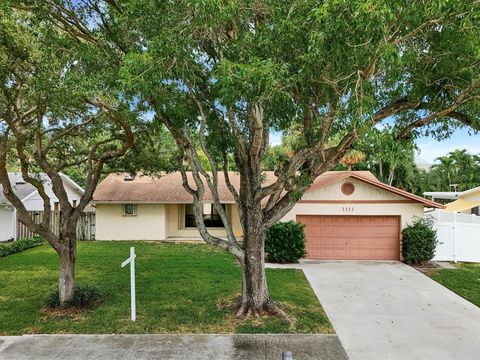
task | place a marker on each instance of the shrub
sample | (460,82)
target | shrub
(285,242)
(419,242)
(86,296)
(20,245)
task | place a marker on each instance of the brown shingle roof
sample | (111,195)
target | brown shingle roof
(168,188)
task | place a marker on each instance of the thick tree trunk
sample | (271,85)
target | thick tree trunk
(255,296)
(66,285)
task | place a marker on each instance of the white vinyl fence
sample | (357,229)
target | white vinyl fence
(458,236)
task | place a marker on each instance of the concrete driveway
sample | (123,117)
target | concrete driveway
(387,310)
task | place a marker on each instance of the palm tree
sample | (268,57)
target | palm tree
(466,169)
(353,157)
(446,168)
(459,168)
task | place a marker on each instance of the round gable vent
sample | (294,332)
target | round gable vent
(348,188)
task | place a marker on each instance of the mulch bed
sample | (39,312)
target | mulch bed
(427,268)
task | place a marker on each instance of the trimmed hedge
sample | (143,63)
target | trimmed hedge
(20,245)
(285,242)
(419,242)
(86,296)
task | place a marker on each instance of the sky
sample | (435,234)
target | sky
(430,148)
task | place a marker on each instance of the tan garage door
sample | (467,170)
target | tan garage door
(352,237)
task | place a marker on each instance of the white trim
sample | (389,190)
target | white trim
(451,195)
(468,192)
(73,183)
(29,195)
(443,195)
(14,224)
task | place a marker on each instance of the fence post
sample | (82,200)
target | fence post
(14,225)
(454,226)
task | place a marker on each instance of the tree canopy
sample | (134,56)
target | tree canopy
(58,111)
(220,76)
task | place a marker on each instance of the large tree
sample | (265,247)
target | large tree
(56,113)
(222,75)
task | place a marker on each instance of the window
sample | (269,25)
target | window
(476,210)
(210,216)
(129,209)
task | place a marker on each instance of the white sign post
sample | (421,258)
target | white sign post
(131,261)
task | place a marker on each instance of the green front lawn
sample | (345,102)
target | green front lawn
(180,289)
(465,281)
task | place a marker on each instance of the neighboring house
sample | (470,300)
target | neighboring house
(348,215)
(465,202)
(32,200)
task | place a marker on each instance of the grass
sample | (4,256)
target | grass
(180,289)
(464,280)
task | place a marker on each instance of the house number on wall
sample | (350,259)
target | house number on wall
(347,209)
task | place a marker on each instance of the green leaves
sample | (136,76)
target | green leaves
(458,167)
(419,241)
(285,242)
(256,80)
(297,59)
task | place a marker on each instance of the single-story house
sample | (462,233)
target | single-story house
(348,215)
(465,202)
(32,200)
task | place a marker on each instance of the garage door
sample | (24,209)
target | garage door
(352,237)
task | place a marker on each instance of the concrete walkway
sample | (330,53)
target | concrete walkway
(387,310)
(170,347)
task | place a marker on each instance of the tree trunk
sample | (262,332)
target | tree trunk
(391,177)
(255,296)
(66,285)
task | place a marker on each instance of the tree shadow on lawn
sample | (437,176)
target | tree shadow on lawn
(179,287)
